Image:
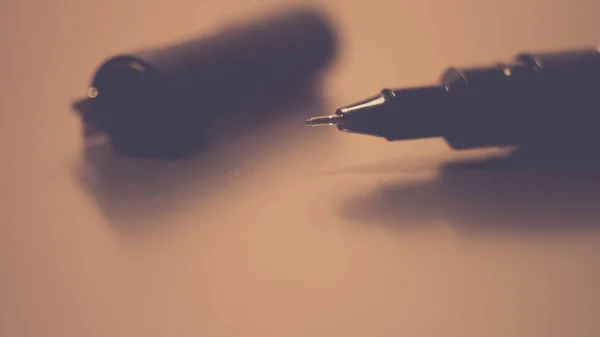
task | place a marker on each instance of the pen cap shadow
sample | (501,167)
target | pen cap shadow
(525,193)
(132,191)
(233,97)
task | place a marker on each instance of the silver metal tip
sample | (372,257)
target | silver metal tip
(324,120)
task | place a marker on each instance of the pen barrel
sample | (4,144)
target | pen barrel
(164,98)
(539,100)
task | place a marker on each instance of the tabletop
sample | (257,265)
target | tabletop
(287,231)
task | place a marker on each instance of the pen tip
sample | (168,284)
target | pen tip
(324,120)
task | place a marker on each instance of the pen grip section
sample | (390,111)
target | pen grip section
(397,114)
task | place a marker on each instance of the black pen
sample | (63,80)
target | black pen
(536,100)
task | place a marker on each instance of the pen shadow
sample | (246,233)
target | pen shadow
(524,193)
(136,192)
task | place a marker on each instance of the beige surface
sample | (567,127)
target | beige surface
(265,236)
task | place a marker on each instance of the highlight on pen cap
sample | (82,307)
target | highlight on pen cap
(92,92)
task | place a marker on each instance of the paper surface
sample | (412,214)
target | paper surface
(287,231)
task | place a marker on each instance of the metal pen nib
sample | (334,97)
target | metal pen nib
(324,120)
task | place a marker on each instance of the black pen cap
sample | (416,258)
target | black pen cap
(159,102)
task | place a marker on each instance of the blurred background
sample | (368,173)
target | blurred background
(287,231)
